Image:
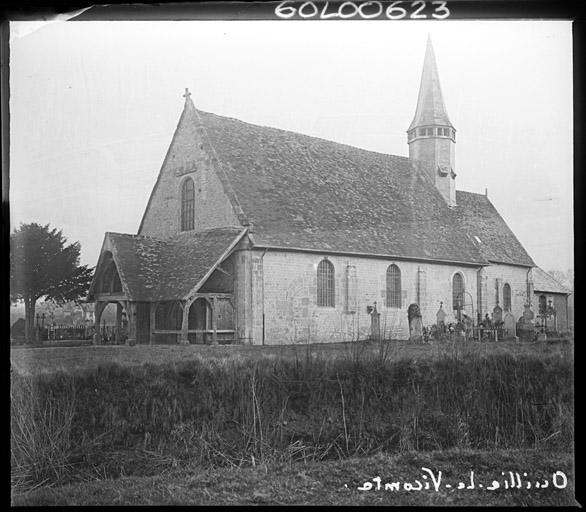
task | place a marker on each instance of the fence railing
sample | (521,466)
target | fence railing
(65,332)
(75,332)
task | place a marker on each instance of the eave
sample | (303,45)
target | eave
(371,255)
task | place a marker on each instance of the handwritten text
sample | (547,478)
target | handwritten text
(433,481)
(417,10)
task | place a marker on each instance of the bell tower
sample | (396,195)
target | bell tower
(431,136)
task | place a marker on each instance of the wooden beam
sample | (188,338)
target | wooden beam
(183,339)
(224,255)
(99,309)
(212,295)
(224,271)
(214,322)
(108,297)
(191,331)
(118,322)
(153,313)
(131,313)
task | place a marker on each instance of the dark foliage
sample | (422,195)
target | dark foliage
(42,264)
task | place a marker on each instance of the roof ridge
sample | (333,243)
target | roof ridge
(208,230)
(471,193)
(134,235)
(266,127)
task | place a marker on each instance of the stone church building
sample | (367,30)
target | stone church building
(257,235)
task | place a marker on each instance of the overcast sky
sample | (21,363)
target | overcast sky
(94,105)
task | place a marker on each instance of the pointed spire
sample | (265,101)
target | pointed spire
(430,103)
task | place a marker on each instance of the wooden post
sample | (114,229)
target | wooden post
(100,306)
(131,312)
(184,339)
(118,335)
(152,326)
(214,322)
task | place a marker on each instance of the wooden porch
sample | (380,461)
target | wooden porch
(205,318)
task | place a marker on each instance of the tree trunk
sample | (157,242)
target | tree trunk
(29,319)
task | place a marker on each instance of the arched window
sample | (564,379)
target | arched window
(507,297)
(393,287)
(458,291)
(325,284)
(187,205)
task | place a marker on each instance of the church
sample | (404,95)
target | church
(256,235)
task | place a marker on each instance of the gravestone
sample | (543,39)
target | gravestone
(526,327)
(17,330)
(509,326)
(440,318)
(375,324)
(497,315)
(415,324)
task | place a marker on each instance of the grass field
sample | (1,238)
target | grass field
(214,425)
(335,483)
(70,359)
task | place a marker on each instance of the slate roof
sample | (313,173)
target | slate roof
(160,270)
(309,193)
(543,282)
(479,218)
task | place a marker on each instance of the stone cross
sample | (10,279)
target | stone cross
(187,93)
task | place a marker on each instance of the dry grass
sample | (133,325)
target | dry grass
(36,361)
(234,407)
(244,411)
(41,444)
(331,483)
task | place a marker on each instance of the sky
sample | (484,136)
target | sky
(93,108)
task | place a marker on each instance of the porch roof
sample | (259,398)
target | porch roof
(159,270)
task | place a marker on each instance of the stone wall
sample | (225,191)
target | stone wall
(564,320)
(516,277)
(288,282)
(431,152)
(188,156)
